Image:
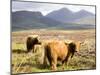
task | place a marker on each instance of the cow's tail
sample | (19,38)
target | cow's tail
(72,49)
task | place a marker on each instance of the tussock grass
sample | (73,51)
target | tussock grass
(23,62)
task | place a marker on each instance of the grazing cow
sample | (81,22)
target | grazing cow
(76,43)
(31,41)
(39,51)
(74,47)
(59,50)
(54,50)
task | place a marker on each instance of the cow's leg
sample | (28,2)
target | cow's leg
(28,50)
(65,62)
(45,62)
(33,50)
(47,58)
(54,63)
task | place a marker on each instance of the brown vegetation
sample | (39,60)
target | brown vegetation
(23,62)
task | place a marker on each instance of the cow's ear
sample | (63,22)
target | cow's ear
(39,43)
(66,43)
(82,42)
(78,44)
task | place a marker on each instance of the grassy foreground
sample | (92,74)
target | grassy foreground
(23,62)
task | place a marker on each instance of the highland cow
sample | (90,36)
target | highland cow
(59,50)
(31,41)
(54,50)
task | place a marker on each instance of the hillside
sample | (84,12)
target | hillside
(58,19)
(87,20)
(31,20)
(67,16)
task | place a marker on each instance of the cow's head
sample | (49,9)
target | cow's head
(78,45)
(73,46)
(31,41)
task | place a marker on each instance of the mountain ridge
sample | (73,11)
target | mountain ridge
(28,19)
(36,20)
(66,15)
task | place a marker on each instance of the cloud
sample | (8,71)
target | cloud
(46,8)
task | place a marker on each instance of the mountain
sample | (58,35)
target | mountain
(58,19)
(66,16)
(29,19)
(82,14)
(62,15)
(86,20)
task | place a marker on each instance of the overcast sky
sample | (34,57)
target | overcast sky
(46,8)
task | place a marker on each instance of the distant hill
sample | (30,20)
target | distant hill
(67,16)
(31,20)
(86,20)
(82,14)
(62,15)
(59,19)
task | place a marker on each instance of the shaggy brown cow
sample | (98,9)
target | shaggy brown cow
(59,50)
(74,47)
(54,50)
(31,41)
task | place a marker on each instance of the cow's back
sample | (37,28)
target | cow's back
(59,49)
